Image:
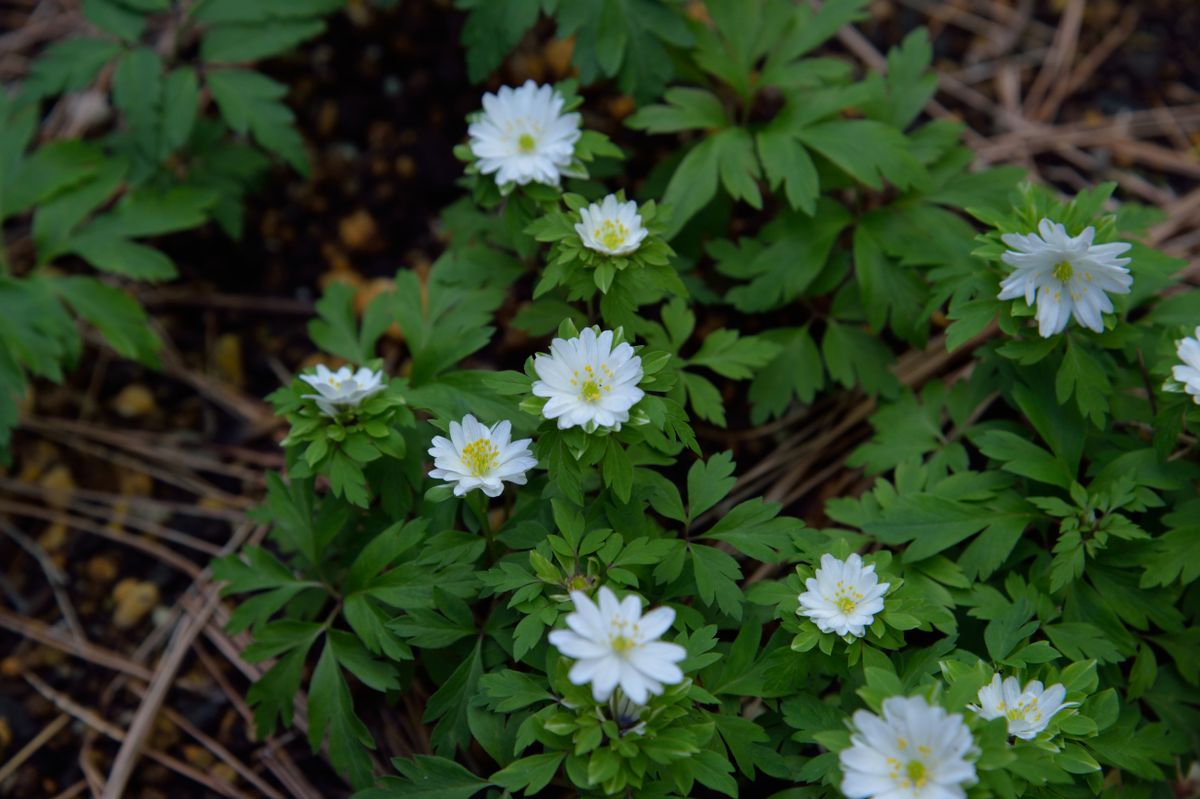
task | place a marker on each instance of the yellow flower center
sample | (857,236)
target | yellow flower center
(915,770)
(1021,711)
(846,599)
(591,385)
(480,456)
(526,143)
(611,234)
(1063,271)
(621,643)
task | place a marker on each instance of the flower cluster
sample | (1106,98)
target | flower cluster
(587,382)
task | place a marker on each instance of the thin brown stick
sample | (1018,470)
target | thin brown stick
(143,720)
(30,749)
(73,791)
(1058,61)
(146,545)
(93,653)
(54,576)
(96,722)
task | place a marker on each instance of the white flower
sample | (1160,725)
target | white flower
(844,596)
(915,751)
(1028,711)
(1188,372)
(588,382)
(611,227)
(524,136)
(614,644)
(477,456)
(344,388)
(1066,275)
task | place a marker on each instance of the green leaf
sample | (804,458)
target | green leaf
(852,356)
(1003,633)
(685,109)
(738,165)
(930,522)
(704,398)
(114,313)
(49,171)
(734,356)
(55,219)
(788,164)
(866,150)
(68,66)
(336,328)
(797,372)
(331,709)
(1082,375)
(708,483)
(218,11)
(250,102)
(138,89)
(618,470)
(355,658)
(122,257)
(273,697)
(693,185)
(717,575)
(426,777)
(889,288)
(1175,556)
(1019,456)
(116,18)
(492,30)
(530,774)
(1081,641)
(181,97)
(152,212)
(238,43)
(449,703)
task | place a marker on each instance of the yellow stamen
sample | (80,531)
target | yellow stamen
(611,234)
(590,391)
(622,644)
(480,456)
(526,143)
(915,770)
(1063,271)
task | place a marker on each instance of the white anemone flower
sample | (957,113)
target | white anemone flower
(478,456)
(1188,373)
(1027,711)
(1066,275)
(342,389)
(844,596)
(915,751)
(587,381)
(523,136)
(611,227)
(615,645)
